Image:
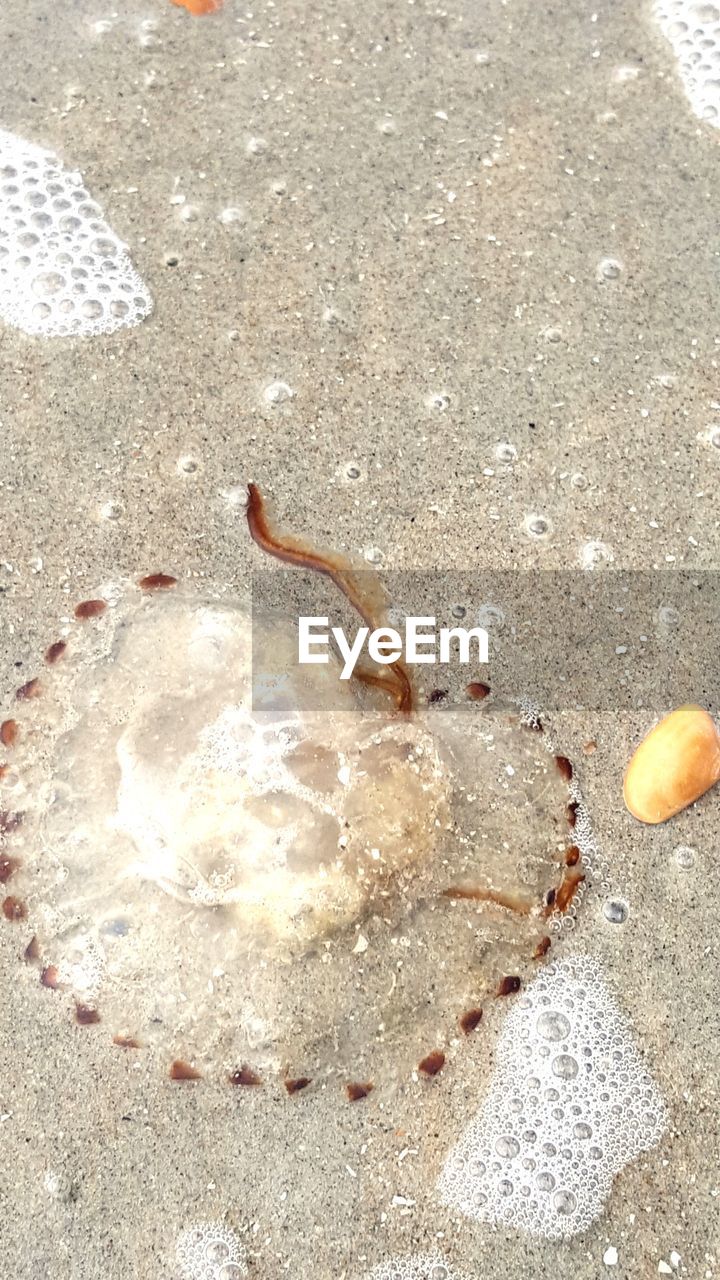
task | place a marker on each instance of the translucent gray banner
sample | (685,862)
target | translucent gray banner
(609,640)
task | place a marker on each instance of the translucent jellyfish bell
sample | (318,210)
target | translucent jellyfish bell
(250,887)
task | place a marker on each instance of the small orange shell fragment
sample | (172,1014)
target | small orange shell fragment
(674,765)
(199,7)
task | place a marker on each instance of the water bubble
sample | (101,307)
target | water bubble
(232,1271)
(507,1147)
(623,75)
(438,400)
(608,269)
(490,617)
(187,464)
(714,437)
(505,1187)
(565,1066)
(110,510)
(668,616)
(595,553)
(578,480)
(685,856)
(553,1025)
(256,147)
(552,334)
(545,1181)
(353,471)
(458,611)
(582,1130)
(48,283)
(278,393)
(506,452)
(615,911)
(217,1251)
(564,1202)
(373,555)
(387,126)
(231,215)
(537,526)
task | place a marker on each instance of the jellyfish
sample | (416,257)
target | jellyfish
(288,882)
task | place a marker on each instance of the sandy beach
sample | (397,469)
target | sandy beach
(442,281)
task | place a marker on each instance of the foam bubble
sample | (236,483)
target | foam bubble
(570,1105)
(419,1266)
(63,271)
(693,30)
(211,1251)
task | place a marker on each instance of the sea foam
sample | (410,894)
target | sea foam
(63,271)
(693,30)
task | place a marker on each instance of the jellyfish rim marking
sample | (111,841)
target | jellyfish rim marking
(90,609)
(432,1064)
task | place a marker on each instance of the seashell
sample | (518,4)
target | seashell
(674,765)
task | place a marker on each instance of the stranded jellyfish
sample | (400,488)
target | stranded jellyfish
(300,879)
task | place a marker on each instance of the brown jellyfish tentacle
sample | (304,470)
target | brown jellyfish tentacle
(341,575)
(511,902)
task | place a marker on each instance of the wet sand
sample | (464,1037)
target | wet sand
(426,196)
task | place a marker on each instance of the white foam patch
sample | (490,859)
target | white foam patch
(570,1104)
(693,30)
(63,271)
(418,1266)
(211,1251)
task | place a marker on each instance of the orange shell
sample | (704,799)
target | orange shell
(199,7)
(674,765)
